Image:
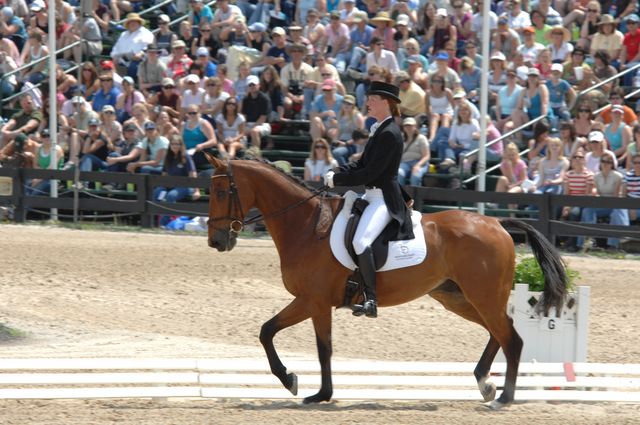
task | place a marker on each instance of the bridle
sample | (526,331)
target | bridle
(237,222)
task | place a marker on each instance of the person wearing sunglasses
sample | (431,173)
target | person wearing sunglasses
(164,38)
(589,26)
(319,162)
(381,57)
(107,94)
(578,181)
(151,72)
(608,182)
(230,128)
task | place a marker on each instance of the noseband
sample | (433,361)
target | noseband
(237,223)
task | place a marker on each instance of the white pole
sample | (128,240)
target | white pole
(53,105)
(484,101)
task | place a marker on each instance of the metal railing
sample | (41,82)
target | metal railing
(77,43)
(607,81)
(37,61)
(535,120)
(144,12)
(498,140)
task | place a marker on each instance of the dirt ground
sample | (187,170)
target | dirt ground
(125,294)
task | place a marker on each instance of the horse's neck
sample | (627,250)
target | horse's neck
(286,227)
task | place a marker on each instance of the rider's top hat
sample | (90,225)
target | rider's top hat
(384,89)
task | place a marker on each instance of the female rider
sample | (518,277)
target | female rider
(377,170)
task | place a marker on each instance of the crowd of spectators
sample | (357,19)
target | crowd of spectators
(155,92)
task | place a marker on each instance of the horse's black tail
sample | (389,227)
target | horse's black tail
(552,266)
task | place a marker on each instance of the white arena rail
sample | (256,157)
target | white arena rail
(353,380)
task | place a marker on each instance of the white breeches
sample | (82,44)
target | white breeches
(374,219)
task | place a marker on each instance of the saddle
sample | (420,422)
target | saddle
(388,253)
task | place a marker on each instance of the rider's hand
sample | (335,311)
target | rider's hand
(328,179)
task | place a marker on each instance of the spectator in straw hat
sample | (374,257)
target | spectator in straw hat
(129,49)
(608,39)
(384,29)
(293,77)
(295,35)
(558,38)
(179,62)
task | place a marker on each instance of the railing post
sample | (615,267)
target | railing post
(544,217)
(19,213)
(144,195)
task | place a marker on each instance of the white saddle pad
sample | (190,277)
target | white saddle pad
(401,253)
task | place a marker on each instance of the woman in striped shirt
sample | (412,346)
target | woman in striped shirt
(631,186)
(577,181)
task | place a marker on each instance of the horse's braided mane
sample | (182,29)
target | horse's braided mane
(295,179)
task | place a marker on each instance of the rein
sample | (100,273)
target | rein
(237,224)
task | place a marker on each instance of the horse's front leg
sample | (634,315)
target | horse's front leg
(322,326)
(292,314)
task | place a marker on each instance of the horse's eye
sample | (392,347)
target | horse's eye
(220,195)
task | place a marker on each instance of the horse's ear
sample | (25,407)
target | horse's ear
(213,160)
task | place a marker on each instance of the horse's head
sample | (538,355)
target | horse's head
(226,202)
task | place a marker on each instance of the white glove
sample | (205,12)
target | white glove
(328,179)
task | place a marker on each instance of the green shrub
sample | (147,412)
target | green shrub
(528,271)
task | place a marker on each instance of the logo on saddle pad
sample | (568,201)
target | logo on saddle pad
(400,254)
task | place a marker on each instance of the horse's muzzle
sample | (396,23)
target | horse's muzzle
(222,241)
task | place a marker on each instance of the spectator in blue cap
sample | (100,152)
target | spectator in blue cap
(451,77)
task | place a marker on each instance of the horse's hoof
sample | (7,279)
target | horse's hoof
(292,378)
(496,405)
(317,398)
(488,391)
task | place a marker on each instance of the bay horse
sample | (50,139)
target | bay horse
(469,268)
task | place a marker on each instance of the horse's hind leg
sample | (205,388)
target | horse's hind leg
(501,327)
(451,297)
(322,326)
(292,314)
(481,372)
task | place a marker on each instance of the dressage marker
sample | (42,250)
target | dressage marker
(110,378)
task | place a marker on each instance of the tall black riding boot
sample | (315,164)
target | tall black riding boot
(367,266)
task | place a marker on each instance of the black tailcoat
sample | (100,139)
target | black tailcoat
(378,167)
